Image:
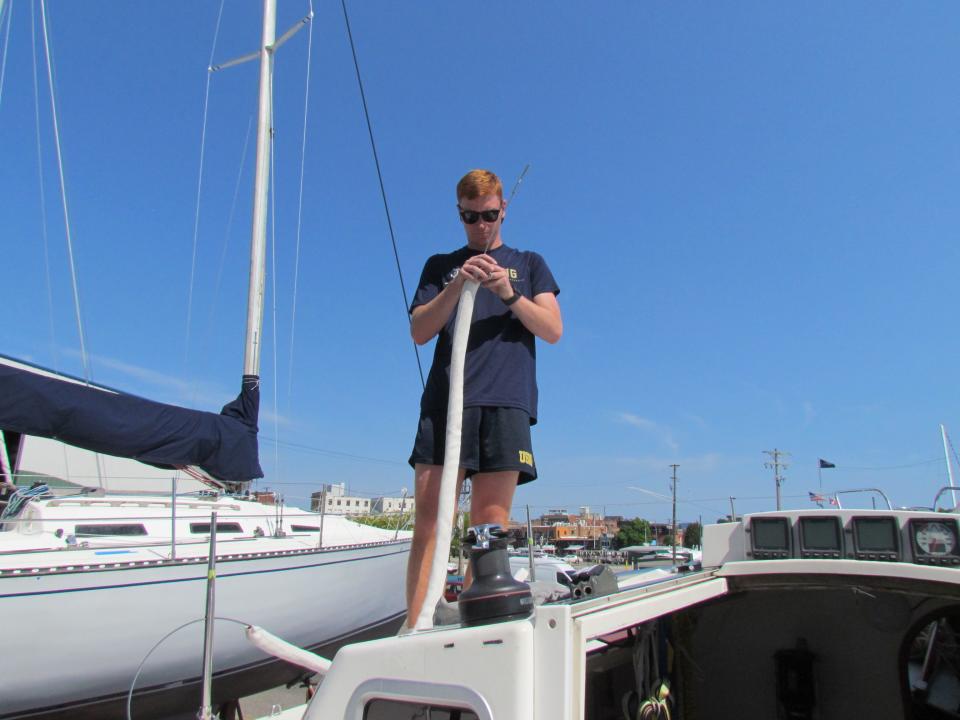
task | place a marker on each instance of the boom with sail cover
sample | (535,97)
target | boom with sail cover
(34,401)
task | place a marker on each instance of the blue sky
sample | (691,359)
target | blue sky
(751,209)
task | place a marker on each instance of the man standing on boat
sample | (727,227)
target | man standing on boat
(515,304)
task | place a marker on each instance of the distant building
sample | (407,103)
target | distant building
(337,502)
(563,529)
(265,497)
(386,505)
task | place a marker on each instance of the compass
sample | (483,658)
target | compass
(935,538)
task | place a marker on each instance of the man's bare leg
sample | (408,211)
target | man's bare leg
(491,496)
(427,499)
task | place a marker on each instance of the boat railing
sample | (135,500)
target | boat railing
(200,517)
(64,527)
(953,489)
(878,491)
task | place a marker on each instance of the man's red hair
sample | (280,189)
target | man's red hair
(478,183)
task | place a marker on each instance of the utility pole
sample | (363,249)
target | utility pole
(777,464)
(673,486)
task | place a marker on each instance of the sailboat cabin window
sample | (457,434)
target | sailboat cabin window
(305,528)
(126,529)
(400,710)
(201,528)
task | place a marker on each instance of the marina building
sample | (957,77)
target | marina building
(333,499)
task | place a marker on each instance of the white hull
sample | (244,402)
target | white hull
(83,634)
(80,616)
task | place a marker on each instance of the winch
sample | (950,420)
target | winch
(494,595)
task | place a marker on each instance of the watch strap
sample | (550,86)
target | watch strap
(513,298)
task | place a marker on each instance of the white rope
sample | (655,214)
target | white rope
(196,214)
(451,457)
(63,193)
(6,44)
(279,648)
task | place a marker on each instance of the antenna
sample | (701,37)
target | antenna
(516,186)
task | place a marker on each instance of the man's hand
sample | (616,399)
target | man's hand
(485,270)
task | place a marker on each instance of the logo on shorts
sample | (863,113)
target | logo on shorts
(526,458)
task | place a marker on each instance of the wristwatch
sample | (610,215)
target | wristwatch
(513,298)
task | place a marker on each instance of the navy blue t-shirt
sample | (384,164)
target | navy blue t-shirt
(500,367)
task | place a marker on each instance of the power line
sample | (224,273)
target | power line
(334,453)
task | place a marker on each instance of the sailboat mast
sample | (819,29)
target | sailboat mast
(258,240)
(946,456)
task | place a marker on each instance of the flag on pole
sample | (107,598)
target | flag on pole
(817,498)
(826,464)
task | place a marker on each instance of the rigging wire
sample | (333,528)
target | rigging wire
(84,359)
(332,453)
(668,499)
(273,277)
(196,214)
(63,195)
(303,163)
(383,192)
(229,228)
(8,15)
(44,231)
(891,467)
(953,450)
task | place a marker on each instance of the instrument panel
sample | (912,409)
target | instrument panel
(870,536)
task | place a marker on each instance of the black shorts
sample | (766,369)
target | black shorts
(493,439)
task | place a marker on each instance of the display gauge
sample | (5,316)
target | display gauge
(770,537)
(876,538)
(820,537)
(935,541)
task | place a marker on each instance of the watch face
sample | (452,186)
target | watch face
(935,539)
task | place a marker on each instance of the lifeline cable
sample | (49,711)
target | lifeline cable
(136,675)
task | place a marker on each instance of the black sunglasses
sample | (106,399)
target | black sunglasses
(469,217)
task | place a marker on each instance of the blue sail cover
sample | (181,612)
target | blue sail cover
(40,402)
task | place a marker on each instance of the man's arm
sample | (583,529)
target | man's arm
(541,316)
(427,320)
